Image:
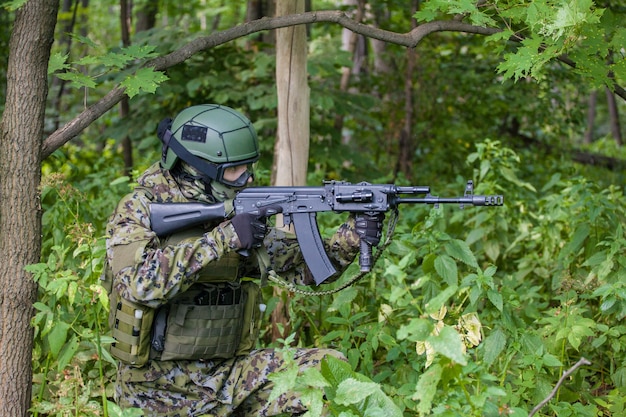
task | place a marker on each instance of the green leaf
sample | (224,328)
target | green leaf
(579,237)
(496,299)
(551,360)
(13,5)
(580,331)
(42,307)
(115,60)
(367,396)
(137,51)
(57,337)
(446,268)
(284,381)
(461,251)
(67,353)
(435,303)
(77,79)
(570,15)
(313,398)
(335,370)
(58,62)
(84,40)
(416,329)
(314,378)
(144,80)
(510,175)
(518,65)
(352,391)
(493,345)
(426,388)
(449,344)
(343,297)
(426,15)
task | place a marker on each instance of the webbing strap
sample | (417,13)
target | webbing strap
(208,169)
(122,355)
(126,338)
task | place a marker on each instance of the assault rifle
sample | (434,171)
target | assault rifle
(299,205)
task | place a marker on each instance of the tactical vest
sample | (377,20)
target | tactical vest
(218,317)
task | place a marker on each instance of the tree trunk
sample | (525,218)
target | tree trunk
(591,117)
(616,129)
(21,132)
(350,41)
(406,147)
(291,152)
(124,108)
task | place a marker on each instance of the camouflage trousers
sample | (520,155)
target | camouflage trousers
(232,387)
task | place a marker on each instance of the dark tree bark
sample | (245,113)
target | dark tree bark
(124,108)
(21,132)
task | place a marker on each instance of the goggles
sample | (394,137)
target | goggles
(235,174)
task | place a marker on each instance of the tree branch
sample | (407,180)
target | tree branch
(567,373)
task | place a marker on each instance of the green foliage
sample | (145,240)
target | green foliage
(71,366)
(546,30)
(478,312)
(107,64)
(334,389)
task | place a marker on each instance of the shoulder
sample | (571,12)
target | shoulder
(157,184)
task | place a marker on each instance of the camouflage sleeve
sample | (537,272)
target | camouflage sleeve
(287,260)
(146,273)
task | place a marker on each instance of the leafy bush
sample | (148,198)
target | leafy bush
(71,366)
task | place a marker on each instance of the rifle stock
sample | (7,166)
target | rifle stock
(167,218)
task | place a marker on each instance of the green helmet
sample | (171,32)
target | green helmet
(210,138)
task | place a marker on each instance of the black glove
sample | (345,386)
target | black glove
(369,226)
(251,228)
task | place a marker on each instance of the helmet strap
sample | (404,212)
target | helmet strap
(170,142)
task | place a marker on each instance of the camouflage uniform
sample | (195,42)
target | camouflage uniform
(149,271)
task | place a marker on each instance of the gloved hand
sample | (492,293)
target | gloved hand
(251,228)
(369,226)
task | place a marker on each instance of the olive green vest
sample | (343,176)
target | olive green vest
(216,318)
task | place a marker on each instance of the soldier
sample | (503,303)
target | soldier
(186,308)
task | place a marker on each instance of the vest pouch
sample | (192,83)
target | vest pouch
(204,322)
(253,313)
(130,324)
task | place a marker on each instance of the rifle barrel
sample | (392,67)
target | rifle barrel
(475,200)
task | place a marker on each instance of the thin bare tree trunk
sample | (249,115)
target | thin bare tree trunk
(65,41)
(291,152)
(124,108)
(591,116)
(614,117)
(21,132)
(350,41)
(406,143)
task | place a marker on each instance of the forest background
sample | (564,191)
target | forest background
(515,310)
